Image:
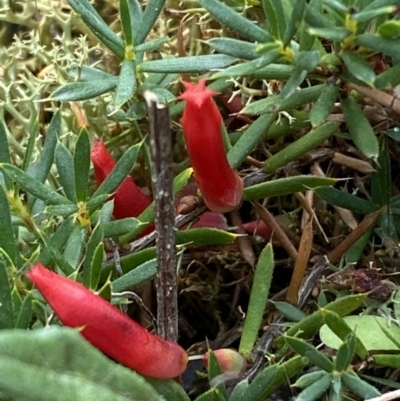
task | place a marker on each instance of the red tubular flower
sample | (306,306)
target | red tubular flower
(220,185)
(258,227)
(129,200)
(107,328)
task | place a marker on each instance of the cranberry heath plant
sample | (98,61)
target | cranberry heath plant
(306,72)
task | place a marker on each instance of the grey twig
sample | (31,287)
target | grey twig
(162,180)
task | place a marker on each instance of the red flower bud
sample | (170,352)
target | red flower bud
(230,361)
(107,328)
(258,228)
(220,185)
(129,200)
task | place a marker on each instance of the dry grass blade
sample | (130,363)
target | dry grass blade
(244,244)
(353,163)
(280,235)
(301,264)
(378,96)
(361,229)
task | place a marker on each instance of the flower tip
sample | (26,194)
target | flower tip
(196,94)
(230,361)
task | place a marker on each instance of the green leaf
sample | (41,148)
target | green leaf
(258,300)
(359,386)
(389,78)
(285,186)
(205,236)
(126,21)
(381,181)
(294,22)
(311,353)
(359,67)
(275,103)
(345,353)
(169,389)
(8,242)
(316,389)
(235,21)
(148,19)
(65,167)
(34,130)
(47,154)
(33,186)
(293,83)
(309,378)
(272,377)
(367,15)
(310,325)
(289,311)
(240,391)
(345,200)
(7,320)
(74,246)
(276,17)
(274,71)
(4,149)
(360,129)
(389,29)
(119,172)
(248,68)
(24,315)
(120,227)
(249,139)
(97,25)
(135,277)
(61,210)
(390,47)
(234,47)
(387,360)
(189,64)
(85,73)
(152,44)
(83,90)
(307,60)
(302,146)
(129,262)
(90,277)
(339,327)
(322,108)
(333,33)
(65,368)
(82,165)
(56,241)
(134,9)
(126,84)
(366,327)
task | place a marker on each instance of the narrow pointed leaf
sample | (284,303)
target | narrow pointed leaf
(98,26)
(65,368)
(148,19)
(258,299)
(8,242)
(7,319)
(187,64)
(126,84)
(33,186)
(83,90)
(285,186)
(65,167)
(235,21)
(82,165)
(360,129)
